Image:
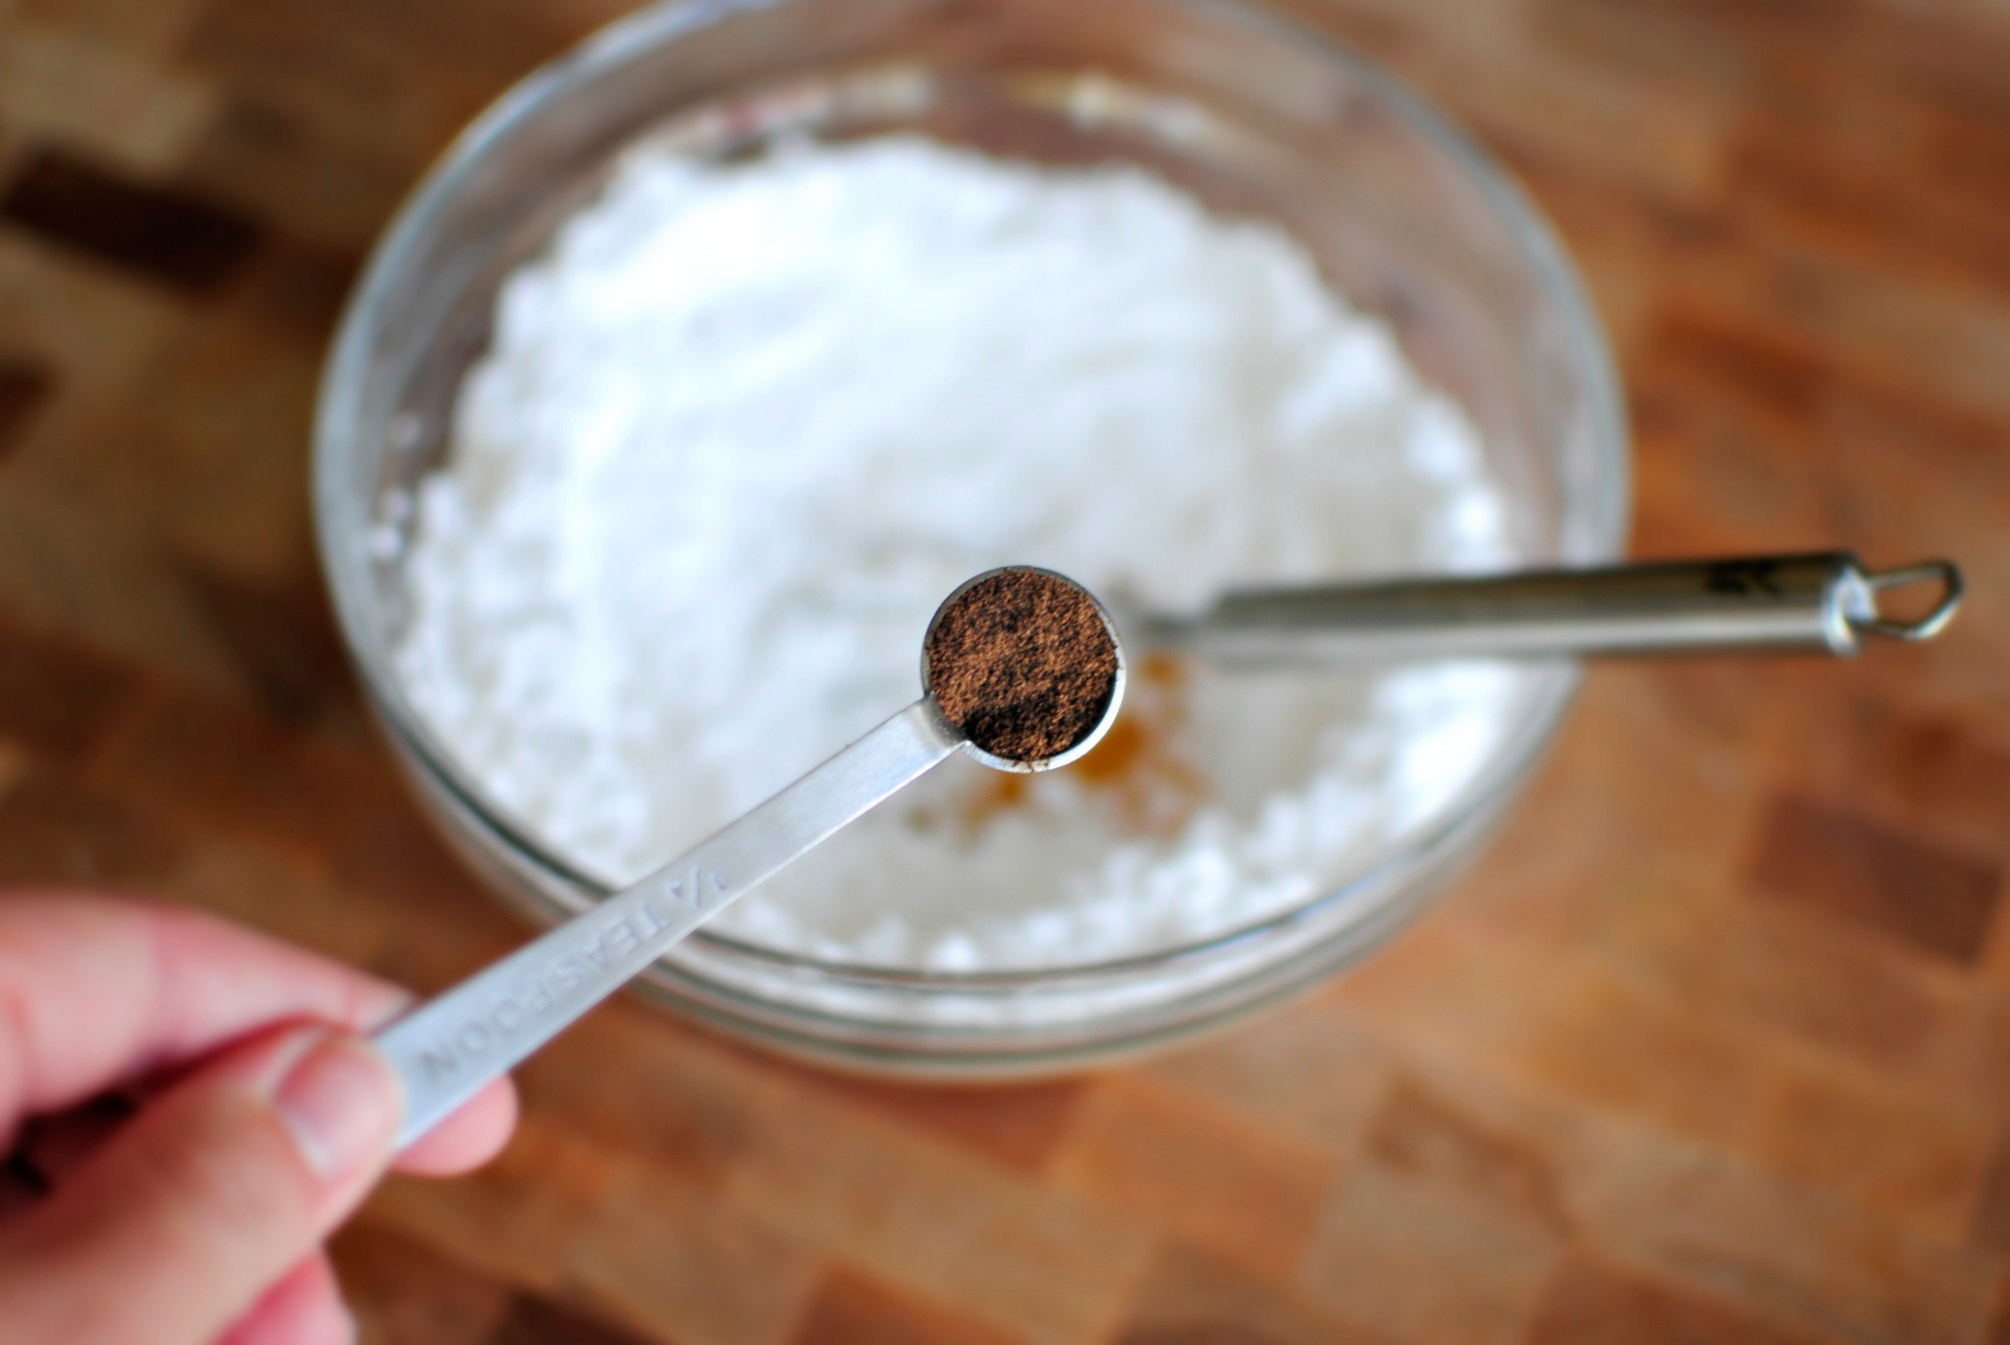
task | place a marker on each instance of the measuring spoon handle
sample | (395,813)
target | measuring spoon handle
(1825,602)
(447,1049)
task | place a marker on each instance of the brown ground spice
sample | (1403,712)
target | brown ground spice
(1022,665)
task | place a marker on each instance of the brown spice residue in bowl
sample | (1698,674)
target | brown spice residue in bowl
(1143,772)
(1022,665)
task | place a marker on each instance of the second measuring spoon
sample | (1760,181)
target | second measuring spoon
(1020,669)
(1820,602)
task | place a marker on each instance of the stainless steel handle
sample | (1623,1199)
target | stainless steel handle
(445,1050)
(1822,602)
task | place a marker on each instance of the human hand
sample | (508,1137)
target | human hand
(259,1120)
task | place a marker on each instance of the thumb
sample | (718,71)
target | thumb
(174,1228)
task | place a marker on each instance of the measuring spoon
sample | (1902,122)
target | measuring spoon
(448,1049)
(1822,602)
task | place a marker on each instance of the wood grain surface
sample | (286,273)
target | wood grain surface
(1713,1047)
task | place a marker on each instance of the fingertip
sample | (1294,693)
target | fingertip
(469,1138)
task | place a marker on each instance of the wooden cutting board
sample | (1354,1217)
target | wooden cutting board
(1714,1046)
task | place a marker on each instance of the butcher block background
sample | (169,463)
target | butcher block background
(1713,1047)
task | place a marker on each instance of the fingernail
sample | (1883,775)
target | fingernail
(341,1105)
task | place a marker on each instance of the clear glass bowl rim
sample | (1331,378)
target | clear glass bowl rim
(338,530)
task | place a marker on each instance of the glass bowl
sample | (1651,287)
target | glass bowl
(1250,113)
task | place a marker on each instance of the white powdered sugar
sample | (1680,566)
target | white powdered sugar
(744,426)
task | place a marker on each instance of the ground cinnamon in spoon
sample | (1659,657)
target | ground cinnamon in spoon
(1022,665)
